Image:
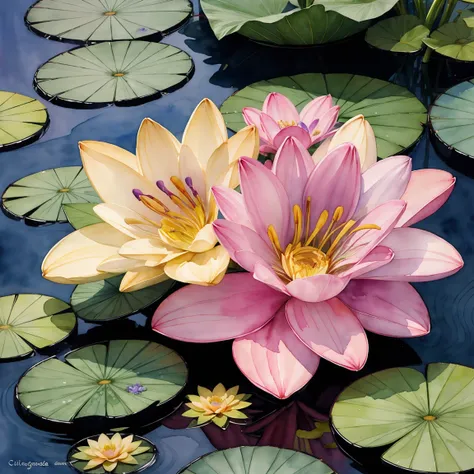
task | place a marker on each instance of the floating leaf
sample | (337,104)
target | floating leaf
(96,20)
(22,120)
(358,10)
(454,40)
(101,301)
(144,460)
(29,321)
(400,34)
(257,460)
(120,72)
(265,21)
(94,381)
(430,421)
(81,215)
(395,114)
(39,197)
(452,118)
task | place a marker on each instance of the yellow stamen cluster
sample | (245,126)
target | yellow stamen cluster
(310,252)
(285,123)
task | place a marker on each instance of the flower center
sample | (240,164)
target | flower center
(285,123)
(181,226)
(429,418)
(311,250)
(215,402)
(109,450)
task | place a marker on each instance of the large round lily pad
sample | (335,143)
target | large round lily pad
(452,118)
(111,380)
(267,22)
(98,20)
(101,301)
(427,423)
(257,460)
(144,459)
(454,40)
(39,197)
(395,114)
(118,72)
(22,120)
(400,34)
(32,321)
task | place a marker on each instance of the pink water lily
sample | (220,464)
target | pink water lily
(280,119)
(328,253)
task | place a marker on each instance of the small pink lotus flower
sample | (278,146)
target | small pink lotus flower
(329,253)
(279,119)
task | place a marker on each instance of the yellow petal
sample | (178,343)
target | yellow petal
(126,442)
(119,264)
(244,143)
(116,439)
(205,418)
(205,269)
(142,278)
(322,150)
(157,151)
(119,217)
(219,390)
(140,450)
(189,166)
(205,240)
(204,392)
(81,456)
(114,152)
(93,463)
(93,444)
(149,249)
(194,398)
(103,441)
(129,460)
(217,167)
(233,391)
(115,182)
(109,466)
(134,445)
(205,131)
(75,258)
(221,421)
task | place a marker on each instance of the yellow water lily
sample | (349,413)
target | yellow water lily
(108,452)
(157,207)
(217,406)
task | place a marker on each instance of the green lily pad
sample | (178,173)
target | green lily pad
(266,22)
(32,321)
(39,197)
(22,120)
(400,34)
(257,460)
(358,10)
(98,20)
(395,114)
(101,301)
(93,381)
(144,460)
(427,421)
(452,118)
(454,40)
(120,73)
(81,215)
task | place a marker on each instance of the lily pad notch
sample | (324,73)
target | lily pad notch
(96,21)
(103,386)
(122,73)
(424,424)
(144,460)
(395,114)
(23,120)
(30,321)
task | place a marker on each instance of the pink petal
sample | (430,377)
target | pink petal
(358,245)
(389,308)
(437,186)
(238,238)
(235,307)
(265,273)
(384,181)
(317,288)
(269,128)
(296,132)
(335,182)
(331,330)
(274,359)
(265,199)
(315,109)
(419,256)
(252,117)
(377,258)
(280,107)
(326,124)
(231,204)
(292,166)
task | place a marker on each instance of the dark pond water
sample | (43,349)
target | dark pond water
(220,70)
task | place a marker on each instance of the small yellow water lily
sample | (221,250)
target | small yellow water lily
(217,406)
(157,208)
(108,452)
